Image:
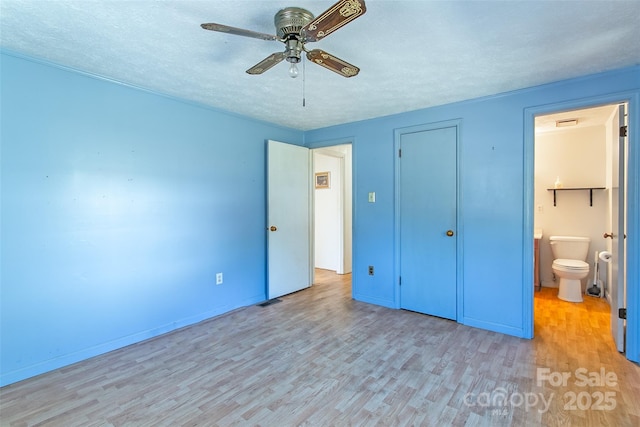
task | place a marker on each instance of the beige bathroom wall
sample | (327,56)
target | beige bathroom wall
(578,156)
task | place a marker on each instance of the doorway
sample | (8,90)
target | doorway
(579,191)
(332,168)
(291,186)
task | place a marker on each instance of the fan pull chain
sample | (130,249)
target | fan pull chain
(304,75)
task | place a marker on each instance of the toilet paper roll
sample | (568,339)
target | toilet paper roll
(605,256)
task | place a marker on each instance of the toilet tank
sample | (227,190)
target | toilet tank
(569,247)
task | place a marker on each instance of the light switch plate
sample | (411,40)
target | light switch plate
(372,197)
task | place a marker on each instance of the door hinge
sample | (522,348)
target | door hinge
(400,152)
(400,280)
(623,131)
(622,313)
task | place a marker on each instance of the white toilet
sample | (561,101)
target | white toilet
(569,255)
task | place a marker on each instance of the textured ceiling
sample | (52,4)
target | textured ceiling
(412,54)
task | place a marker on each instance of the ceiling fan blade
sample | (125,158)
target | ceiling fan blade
(238,31)
(332,63)
(336,16)
(267,63)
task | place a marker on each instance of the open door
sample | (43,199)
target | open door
(618,244)
(288,219)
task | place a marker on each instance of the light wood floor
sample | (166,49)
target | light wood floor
(318,358)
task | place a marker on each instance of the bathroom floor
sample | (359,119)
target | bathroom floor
(574,339)
(591,317)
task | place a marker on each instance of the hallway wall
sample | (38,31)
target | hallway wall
(328,214)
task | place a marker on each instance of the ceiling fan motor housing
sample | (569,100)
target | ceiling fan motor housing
(289,22)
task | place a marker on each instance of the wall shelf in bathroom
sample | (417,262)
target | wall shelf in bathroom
(590,189)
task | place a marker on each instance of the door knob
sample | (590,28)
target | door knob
(608,235)
(449,233)
(273,228)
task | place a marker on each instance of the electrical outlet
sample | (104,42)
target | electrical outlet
(219,279)
(371,270)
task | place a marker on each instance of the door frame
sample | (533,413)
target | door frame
(632,213)
(457,123)
(327,145)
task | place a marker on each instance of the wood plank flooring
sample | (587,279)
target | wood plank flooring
(318,358)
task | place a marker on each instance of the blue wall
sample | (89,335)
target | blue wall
(495,229)
(119,206)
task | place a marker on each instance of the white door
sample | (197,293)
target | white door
(288,219)
(618,258)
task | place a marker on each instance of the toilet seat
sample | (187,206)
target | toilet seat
(570,265)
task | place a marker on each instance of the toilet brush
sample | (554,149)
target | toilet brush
(594,290)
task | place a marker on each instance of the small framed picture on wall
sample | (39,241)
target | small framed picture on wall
(322,180)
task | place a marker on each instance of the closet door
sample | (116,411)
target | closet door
(427,205)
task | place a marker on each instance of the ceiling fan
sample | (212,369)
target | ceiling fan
(295,27)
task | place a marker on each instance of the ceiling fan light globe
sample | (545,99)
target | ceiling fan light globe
(293,70)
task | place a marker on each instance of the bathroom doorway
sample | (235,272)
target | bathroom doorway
(579,181)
